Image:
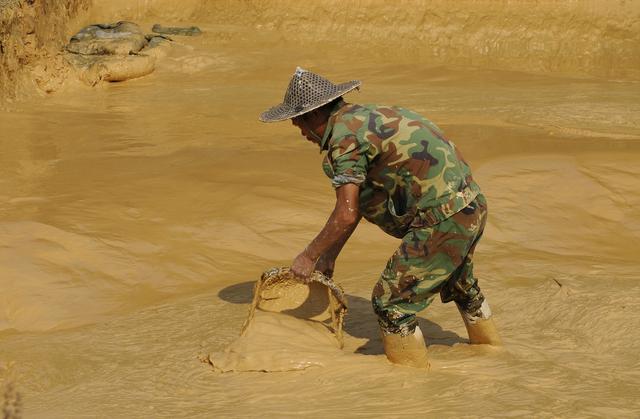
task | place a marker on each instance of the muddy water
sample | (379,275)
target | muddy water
(135,216)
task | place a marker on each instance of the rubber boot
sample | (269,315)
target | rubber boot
(480,326)
(407,350)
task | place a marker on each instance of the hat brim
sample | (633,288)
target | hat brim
(283,111)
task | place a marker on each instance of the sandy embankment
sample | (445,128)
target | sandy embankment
(591,38)
(32,34)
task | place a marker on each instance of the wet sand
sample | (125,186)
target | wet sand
(135,217)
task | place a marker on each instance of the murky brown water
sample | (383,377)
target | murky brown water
(134,216)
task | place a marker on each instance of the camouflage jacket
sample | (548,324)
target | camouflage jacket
(409,174)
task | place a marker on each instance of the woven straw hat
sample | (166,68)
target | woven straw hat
(307,91)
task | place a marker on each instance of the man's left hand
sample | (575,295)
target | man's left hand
(302,266)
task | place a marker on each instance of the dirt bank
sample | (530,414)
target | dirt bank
(595,38)
(32,33)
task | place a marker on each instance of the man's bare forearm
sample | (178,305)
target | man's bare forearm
(339,226)
(333,236)
(335,250)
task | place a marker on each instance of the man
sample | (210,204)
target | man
(396,169)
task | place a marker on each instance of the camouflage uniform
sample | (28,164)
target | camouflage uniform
(414,185)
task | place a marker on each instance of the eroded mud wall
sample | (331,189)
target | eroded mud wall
(588,38)
(592,38)
(32,33)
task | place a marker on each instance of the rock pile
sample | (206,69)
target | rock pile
(117,51)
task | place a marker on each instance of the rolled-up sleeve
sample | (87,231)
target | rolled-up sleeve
(349,160)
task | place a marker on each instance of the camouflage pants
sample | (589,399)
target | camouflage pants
(431,260)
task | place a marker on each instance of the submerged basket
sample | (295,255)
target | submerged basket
(319,299)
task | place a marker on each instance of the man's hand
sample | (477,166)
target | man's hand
(302,266)
(328,243)
(326,264)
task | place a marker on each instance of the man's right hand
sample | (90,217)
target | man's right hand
(326,264)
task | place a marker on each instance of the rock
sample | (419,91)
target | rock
(173,30)
(157,45)
(121,38)
(113,52)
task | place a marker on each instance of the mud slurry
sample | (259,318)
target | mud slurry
(133,213)
(276,342)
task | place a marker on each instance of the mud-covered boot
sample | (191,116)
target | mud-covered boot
(480,325)
(409,350)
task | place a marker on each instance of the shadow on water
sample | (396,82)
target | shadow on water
(241,293)
(360,321)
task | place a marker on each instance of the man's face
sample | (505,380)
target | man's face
(310,124)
